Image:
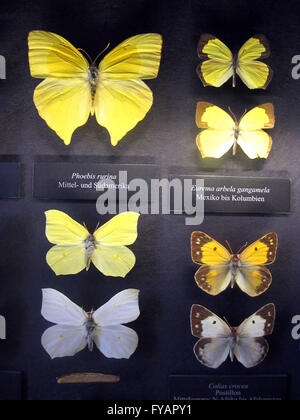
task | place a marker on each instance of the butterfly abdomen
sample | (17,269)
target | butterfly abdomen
(93,80)
(90,328)
(235,265)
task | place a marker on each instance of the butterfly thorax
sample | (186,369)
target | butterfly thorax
(234,267)
(90,245)
(93,80)
(90,326)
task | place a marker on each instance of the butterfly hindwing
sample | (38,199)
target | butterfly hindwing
(251,351)
(213,279)
(253,280)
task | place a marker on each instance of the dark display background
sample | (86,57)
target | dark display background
(164,271)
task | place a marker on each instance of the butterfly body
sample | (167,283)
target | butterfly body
(90,246)
(93,81)
(218,340)
(90,326)
(221,268)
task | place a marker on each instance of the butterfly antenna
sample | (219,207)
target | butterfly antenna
(243,247)
(233,115)
(225,319)
(229,246)
(245,112)
(103,51)
(87,55)
(98,224)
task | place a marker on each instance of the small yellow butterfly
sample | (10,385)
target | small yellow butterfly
(75,248)
(222,131)
(220,64)
(74,88)
(220,268)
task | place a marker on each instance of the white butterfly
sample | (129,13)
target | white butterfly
(218,340)
(77,329)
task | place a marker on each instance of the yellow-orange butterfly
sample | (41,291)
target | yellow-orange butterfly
(220,268)
(221,131)
(220,64)
(74,88)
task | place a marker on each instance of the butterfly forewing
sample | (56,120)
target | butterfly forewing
(261,252)
(255,48)
(206,250)
(260,324)
(206,324)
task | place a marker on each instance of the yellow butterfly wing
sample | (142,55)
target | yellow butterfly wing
(252,277)
(217,66)
(255,142)
(111,256)
(68,256)
(255,74)
(218,136)
(122,99)
(261,252)
(214,275)
(61,229)
(64,98)
(67,259)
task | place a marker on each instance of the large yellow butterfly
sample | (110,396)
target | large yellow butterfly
(75,248)
(220,268)
(220,64)
(74,89)
(222,131)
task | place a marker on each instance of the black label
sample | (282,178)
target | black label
(86,181)
(233,194)
(10,179)
(236,388)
